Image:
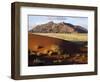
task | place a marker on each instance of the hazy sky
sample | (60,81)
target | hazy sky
(35,20)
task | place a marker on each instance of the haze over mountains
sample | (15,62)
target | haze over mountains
(61,27)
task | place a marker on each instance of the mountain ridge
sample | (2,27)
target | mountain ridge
(62,27)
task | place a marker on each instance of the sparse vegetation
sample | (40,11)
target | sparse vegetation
(67,36)
(57,54)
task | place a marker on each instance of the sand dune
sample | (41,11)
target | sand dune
(54,49)
(66,36)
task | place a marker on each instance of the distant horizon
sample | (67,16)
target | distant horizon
(36,20)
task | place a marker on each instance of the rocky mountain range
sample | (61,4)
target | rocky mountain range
(61,27)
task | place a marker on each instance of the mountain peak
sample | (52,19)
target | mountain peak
(51,22)
(61,27)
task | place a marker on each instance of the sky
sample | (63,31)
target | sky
(34,20)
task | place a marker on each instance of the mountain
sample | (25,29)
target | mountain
(61,27)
